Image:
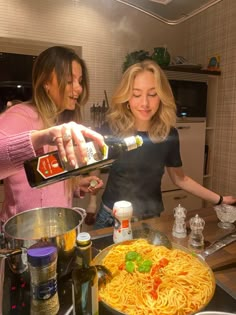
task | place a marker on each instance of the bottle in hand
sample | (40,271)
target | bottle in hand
(84,279)
(49,168)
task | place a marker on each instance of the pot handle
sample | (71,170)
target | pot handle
(4,252)
(81,211)
(224,241)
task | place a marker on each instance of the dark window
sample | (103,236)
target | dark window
(15,77)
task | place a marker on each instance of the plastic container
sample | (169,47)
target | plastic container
(122,212)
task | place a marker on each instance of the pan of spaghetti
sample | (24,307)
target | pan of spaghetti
(154,280)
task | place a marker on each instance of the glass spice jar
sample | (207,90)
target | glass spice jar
(42,263)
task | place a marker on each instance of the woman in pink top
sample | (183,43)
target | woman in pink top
(50,121)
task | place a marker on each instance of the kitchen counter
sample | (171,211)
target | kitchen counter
(224,278)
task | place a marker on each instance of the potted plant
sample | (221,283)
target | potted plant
(134,57)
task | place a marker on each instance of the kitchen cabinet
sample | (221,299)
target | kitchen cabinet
(172,199)
(210,128)
(192,146)
(211,78)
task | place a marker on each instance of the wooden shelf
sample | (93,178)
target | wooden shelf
(191,70)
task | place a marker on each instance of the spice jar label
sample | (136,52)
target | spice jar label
(44,291)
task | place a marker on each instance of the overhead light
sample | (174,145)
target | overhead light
(162,1)
(19,86)
(171,12)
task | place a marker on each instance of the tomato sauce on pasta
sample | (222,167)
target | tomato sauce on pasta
(175,283)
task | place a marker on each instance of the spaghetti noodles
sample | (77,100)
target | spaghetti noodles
(176,284)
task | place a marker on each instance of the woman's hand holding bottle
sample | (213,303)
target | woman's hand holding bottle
(67,137)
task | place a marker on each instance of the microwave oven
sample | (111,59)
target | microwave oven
(190,98)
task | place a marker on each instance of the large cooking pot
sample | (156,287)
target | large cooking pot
(55,225)
(99,258)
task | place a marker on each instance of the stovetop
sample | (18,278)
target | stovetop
(17,302)
(16,294)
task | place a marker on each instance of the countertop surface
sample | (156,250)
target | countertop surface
(224,257)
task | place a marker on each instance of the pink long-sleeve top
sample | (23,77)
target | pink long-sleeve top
(16,124)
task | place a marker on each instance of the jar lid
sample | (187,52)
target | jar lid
(41,256)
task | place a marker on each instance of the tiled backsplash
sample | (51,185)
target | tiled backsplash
(210,33)
(107,30)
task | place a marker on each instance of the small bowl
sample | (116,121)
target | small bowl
(227,215)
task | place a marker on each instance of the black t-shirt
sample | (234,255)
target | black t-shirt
(136,175)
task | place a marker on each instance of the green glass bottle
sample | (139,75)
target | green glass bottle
(85,279)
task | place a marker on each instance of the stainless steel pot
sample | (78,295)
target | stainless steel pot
(58,226)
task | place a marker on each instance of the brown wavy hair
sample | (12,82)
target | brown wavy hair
(58,59)
(120,118)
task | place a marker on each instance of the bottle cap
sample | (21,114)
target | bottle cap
(93,183)
(123,208)
(83,239)
(41,256)
(139,140)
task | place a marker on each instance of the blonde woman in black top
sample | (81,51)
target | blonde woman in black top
(144,104)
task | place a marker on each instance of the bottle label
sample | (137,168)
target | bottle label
(50,165)
(131,143)
(93,152)
(44,291)
(125,224)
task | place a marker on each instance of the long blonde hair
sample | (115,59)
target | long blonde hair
(58,59)
(120,118)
